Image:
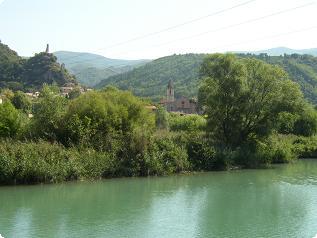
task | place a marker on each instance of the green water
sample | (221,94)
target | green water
(280,202)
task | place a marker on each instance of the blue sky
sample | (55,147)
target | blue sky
(95,25)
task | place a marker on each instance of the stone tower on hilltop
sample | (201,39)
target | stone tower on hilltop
(170,92)
(47,49)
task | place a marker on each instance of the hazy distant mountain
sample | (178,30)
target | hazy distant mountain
(90,69)
(283,50)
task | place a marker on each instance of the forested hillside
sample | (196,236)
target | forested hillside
(10,67)
(91,76)
(90,69)
(17,73)
(151,79)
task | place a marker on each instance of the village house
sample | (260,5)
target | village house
(151,108)
(182,105)
(33,95)
(67,88)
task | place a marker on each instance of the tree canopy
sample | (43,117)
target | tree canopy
(94,116)
(243,98)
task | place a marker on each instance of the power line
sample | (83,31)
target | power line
(271,36)
(124,75)
(224,28)
(238,24)
(174,26)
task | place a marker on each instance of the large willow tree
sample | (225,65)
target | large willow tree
(243,98)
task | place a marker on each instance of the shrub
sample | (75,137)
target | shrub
(201,154)
(305,147)
(165,156)
(10,120)
(43,162)
(189,123)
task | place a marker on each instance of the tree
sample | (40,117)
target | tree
(98,117)
(75,93)
(243,98)
(7,94)
(306,124)
(161,118)
(48,114)
(10,122)
(22,102)
(188,123)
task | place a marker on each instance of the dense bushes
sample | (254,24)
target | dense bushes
(96,116)
(30,162)
(305,147)
(275,149)
(11,120)
(189,123)
(44,162)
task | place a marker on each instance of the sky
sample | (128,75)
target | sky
(108,27)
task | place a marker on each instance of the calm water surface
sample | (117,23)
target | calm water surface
(280,202)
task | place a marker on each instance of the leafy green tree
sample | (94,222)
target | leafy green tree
(161,118)
(243,98)
(75,93)
(48,114)
(96,118)
(286,122)
(22,102)
(188,123)
(306,124)
(7,94)
(10,120)
(49,90)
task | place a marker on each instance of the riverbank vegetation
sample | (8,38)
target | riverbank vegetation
(253,116)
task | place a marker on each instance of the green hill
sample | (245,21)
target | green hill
(10,67)
(151,79)
(19,73)
(90,76)
(90,69)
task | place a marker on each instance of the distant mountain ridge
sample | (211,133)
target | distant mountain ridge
(90,69)
(281,51)
(70,58)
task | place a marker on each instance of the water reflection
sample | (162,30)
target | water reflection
(280,202)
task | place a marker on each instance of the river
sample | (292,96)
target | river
(278,202)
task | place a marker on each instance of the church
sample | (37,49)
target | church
(182,105)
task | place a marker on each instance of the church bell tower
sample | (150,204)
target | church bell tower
(170,92)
